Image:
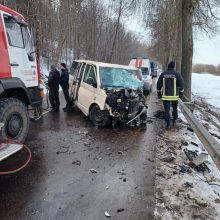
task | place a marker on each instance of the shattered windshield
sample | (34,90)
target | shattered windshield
(118,77)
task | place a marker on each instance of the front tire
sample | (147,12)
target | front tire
(14,117)
(100,118)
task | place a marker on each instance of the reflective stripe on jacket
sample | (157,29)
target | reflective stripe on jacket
(171,84)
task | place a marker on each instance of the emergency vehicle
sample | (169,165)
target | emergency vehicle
(144,65)
(19,79)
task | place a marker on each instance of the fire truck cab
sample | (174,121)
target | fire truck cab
(19,75)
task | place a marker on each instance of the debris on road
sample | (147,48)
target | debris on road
(120,152)
(120,210)
(159,114)
(93,170)
(193,143)
(199,163)
(124,180)
(185,169)
(190,129)
(188,184)
(107,215)
(107,187)
(77,162)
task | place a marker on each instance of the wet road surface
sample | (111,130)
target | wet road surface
(58,183)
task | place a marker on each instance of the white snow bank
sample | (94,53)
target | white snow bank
(207,86)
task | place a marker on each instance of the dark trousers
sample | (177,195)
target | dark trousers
(66,96)
(54,98)
(167,105)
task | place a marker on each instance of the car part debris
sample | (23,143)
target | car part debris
(107,215)
(185,169)
(120,210)
(77,162)
(193,143)
(188,184)
(200,159)
(191,155)
(190,129)
(160,114)
(93,171)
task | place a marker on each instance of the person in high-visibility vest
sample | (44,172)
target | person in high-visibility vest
(170,88)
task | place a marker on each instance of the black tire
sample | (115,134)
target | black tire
(100,118)
(14,116)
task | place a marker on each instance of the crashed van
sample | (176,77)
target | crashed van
(108,93)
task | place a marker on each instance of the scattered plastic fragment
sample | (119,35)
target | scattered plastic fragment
(120,210)
(188,184)
(107,215)
(77,162)
(201,158)
(93,171)
(190,129)
(185,169)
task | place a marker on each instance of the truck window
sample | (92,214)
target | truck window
(14,33)
(89,73)
(28,44)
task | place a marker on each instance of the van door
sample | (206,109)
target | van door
(87,88)
(76,73)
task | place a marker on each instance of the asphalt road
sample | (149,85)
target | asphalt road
(58,183)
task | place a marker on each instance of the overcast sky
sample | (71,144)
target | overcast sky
(206,49)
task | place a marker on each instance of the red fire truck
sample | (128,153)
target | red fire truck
(19,77)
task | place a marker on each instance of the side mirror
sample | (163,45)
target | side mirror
(91,82)
(19,21)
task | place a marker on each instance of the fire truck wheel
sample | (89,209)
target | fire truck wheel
(14,118)
(100,118)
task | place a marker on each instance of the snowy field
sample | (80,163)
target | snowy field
(207,86)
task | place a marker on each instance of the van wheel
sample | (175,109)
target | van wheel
(100,118)
(14,118)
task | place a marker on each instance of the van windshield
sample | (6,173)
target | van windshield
(145,71)
(118,77)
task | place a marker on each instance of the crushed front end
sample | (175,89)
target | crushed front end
(127,106)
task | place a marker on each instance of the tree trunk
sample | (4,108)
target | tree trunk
(179,37)
(187,45)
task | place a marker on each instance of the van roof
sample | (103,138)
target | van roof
(10,11)
(107,64)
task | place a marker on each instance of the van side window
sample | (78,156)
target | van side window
(74,68)
(89,73)
(14,33)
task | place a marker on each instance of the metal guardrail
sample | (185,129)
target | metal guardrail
(208,141)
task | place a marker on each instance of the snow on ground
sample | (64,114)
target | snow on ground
(173,199)
(207,86)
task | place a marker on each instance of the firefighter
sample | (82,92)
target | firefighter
(64,83)
(170,89)
(53,84)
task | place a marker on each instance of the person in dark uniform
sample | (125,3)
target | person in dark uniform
(170,88)
(64,83)
(53,84)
